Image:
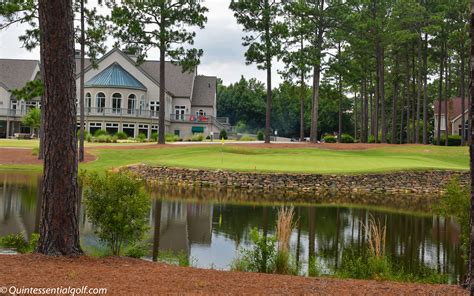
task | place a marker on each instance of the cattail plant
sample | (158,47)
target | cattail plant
(377,234)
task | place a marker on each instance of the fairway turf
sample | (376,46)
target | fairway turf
(292,160)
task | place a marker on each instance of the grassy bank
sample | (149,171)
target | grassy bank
(295,160)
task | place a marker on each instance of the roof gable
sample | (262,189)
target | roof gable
(14,74)
(115,76)
(204,92)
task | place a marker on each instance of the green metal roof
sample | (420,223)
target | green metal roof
(115,76)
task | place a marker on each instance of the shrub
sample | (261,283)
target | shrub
(345,138)
(141,137)
(247,138)
(100,133)
(180,259)
(88,137)
(138,249)
(260,136)
(223,134)
(197,138)
(313,267)
(86,134)
(105,139)
(121,135)
(453,140)
(19,243)
(171,138)
(118,206)
(371,139)
(259,258)
(329,139)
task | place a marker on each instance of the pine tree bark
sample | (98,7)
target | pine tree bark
(425,91)
(81,87)
(440,98)
(365,112)
(268,66)
(471,162)
(59,227)
(302,96)
(419,90)
(463,94)
(446,94)
(161,115)
(394,109)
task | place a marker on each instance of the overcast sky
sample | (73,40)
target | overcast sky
(221,41)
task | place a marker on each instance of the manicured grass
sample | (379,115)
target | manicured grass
(35,143)
(308,160)
(296,160)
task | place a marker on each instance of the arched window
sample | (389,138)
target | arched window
(116,103)
(132,104)
(100,101)
(88,102)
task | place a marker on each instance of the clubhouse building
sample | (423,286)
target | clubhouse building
(121,96)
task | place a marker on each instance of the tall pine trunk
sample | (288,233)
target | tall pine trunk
(161,115)
(381,87)
(446,94)
(302,96)
(394,109)
(419,90)
(315,105)
(59,227)
(440,98)
(463,94)
(81,91)
(471,162)
(425,91)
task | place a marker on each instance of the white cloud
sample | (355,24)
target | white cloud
(221,41)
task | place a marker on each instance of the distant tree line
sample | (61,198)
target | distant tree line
(392,59)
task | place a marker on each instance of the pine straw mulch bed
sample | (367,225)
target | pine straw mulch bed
(125,276)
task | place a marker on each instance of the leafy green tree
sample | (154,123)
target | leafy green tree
(261,20)
(118,206)
(162,24)
(33,119)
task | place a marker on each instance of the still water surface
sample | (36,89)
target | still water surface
(211,233)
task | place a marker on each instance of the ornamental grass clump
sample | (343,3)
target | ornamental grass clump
(284,228)
(377,234)
(118,207)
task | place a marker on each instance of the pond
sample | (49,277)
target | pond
(211,233)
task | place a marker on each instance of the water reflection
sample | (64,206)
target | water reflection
(211,233)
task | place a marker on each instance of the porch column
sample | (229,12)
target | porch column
(8,129)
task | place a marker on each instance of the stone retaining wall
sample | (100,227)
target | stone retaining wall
(419,185)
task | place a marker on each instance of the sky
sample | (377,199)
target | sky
(221,41)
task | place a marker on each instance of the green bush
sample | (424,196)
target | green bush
(247,138)
(171,138)
(371,139)
(118,206)
(197,138)
(154,136)
(223,134)
(453,140)
(180,259)
(121,135)
(141,137)
(313,267)
(260,136)
(88,137)
(105,139)
(100,133)
(259,258)
(138,249)
(19,243)
(329,139)
(382,268)
(345,138)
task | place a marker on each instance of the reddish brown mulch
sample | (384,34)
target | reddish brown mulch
(123,276)
(13,156)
